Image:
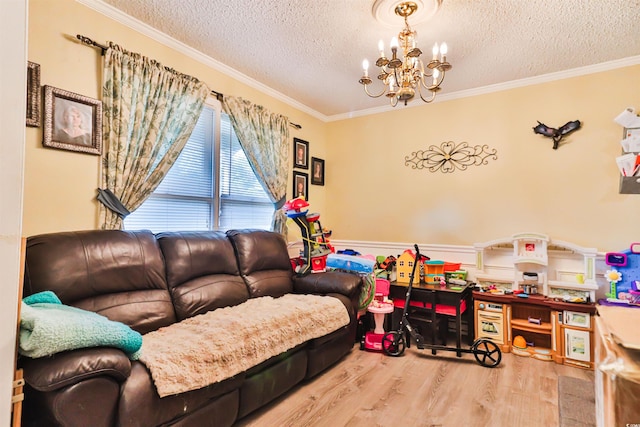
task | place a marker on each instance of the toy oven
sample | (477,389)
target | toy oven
(573,318)
(577,345)
(491,323)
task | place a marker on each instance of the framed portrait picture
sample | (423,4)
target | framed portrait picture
(300,154)
(301,185)
(317,171)
(33,94)
(72,122)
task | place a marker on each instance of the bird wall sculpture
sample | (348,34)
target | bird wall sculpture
(557,134)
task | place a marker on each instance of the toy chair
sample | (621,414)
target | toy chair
(430,322)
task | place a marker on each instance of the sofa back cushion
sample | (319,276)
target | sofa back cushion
(263,261)
(202,272)
(119,274)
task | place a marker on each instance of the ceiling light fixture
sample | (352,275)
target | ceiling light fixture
(402,77)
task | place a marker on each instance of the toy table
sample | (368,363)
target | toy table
(451,300)
(378,315)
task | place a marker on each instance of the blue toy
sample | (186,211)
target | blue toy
(623,277)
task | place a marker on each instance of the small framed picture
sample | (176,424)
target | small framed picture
(301,185)
(300,154)
(317,171)
(33,94)
(72,122)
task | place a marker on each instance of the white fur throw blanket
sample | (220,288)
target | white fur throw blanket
(213,346)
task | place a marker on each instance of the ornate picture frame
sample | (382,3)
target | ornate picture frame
(33,94)
(300,153)
(317,171)
(72,122)
(300,185)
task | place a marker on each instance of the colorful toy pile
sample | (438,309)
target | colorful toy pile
(623,277)
(315,239)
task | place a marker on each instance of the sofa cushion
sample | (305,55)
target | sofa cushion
(263,261)
(119,274)
(144,311)
(216,345)
(202,272)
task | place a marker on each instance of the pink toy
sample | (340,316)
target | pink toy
(380,306)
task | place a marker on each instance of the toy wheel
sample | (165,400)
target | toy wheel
(486,352)
(393,343)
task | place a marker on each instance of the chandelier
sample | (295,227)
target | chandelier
(402,77)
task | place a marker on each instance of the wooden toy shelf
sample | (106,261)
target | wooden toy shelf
(564,333)
(525,325)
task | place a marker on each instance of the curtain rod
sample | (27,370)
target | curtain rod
(89,42)
(220,97)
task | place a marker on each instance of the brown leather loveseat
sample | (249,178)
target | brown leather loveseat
(151,281)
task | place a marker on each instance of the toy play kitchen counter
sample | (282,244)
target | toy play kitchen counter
(537,326)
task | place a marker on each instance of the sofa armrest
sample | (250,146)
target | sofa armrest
(337,282)
(63,369)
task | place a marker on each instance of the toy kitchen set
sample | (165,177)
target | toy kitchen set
(536,298)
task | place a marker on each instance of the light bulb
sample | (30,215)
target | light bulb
(365,67)
(436,74)
(394,42)
(435,51)
(443,52)
(381,48)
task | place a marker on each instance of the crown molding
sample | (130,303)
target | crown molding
(139,26)
(514,84)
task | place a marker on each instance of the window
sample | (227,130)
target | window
(211,186)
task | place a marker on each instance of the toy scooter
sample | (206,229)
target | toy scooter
(486,352)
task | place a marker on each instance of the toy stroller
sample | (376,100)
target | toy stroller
(486,352)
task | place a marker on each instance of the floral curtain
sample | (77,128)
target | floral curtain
(264,137)
(149,112)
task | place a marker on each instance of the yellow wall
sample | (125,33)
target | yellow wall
(60,186)
(369,194)
(570,193)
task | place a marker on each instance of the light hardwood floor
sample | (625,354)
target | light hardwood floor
(420,389)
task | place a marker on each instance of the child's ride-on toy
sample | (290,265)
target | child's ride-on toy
(486,352)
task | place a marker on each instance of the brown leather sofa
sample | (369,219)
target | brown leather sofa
(149,281)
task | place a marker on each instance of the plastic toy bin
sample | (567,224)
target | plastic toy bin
(452,266)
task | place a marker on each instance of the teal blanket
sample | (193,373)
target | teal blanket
(47,327)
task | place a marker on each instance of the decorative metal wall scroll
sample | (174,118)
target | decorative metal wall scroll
(450,156)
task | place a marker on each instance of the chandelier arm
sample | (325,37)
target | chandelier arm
(433,96)
(443,73)
(384,89)
(395,76)
(429,76)
(423,84)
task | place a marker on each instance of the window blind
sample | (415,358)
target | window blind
(185,199)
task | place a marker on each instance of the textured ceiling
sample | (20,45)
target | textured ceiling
(312,50)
